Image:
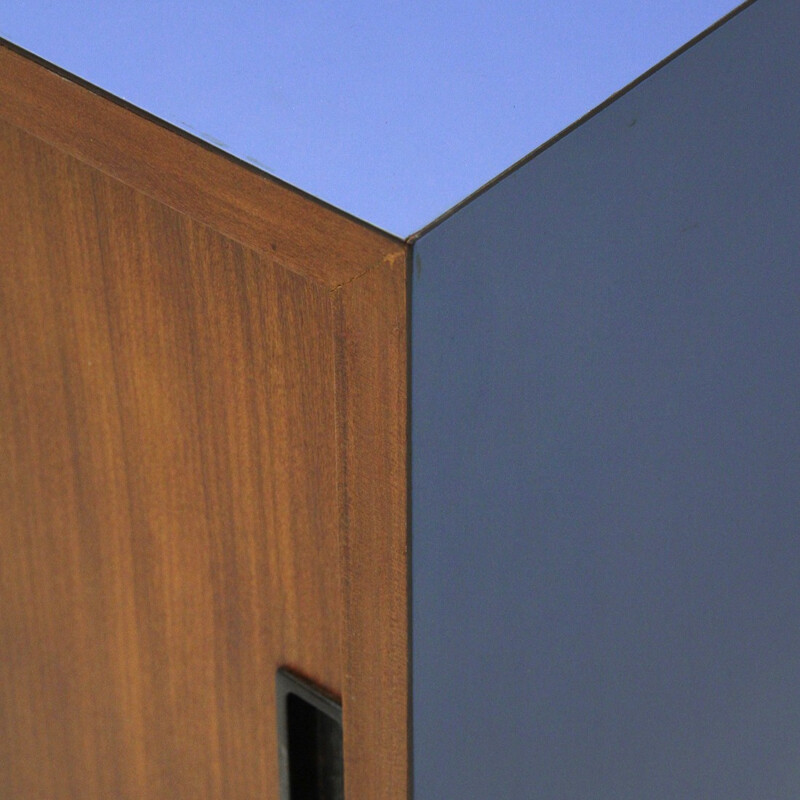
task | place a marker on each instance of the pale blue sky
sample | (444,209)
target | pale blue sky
(392,111)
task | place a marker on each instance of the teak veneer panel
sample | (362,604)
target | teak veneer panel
(171,491)
(260,212)
(372,413)
(202,461)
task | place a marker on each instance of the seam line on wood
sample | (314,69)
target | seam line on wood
(389,259)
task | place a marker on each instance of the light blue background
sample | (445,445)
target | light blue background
(393,111)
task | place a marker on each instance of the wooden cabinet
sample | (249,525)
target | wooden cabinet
(539,461)
(203,405)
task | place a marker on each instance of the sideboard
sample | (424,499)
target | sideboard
(512,502)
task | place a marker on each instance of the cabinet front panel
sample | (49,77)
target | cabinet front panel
(168,508)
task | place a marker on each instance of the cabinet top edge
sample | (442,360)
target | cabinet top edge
(261,212)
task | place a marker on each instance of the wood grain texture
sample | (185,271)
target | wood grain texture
(202,461)
(372,412)
(168,504)
(245,205)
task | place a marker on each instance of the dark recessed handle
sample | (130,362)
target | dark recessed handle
(309,741)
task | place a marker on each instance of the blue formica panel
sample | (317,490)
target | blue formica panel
(606,449)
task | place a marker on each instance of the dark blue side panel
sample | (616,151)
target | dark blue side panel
(606,450)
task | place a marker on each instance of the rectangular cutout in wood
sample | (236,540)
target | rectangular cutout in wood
(309,741)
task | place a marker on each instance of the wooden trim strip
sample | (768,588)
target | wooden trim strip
(371,354)
(262,213)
